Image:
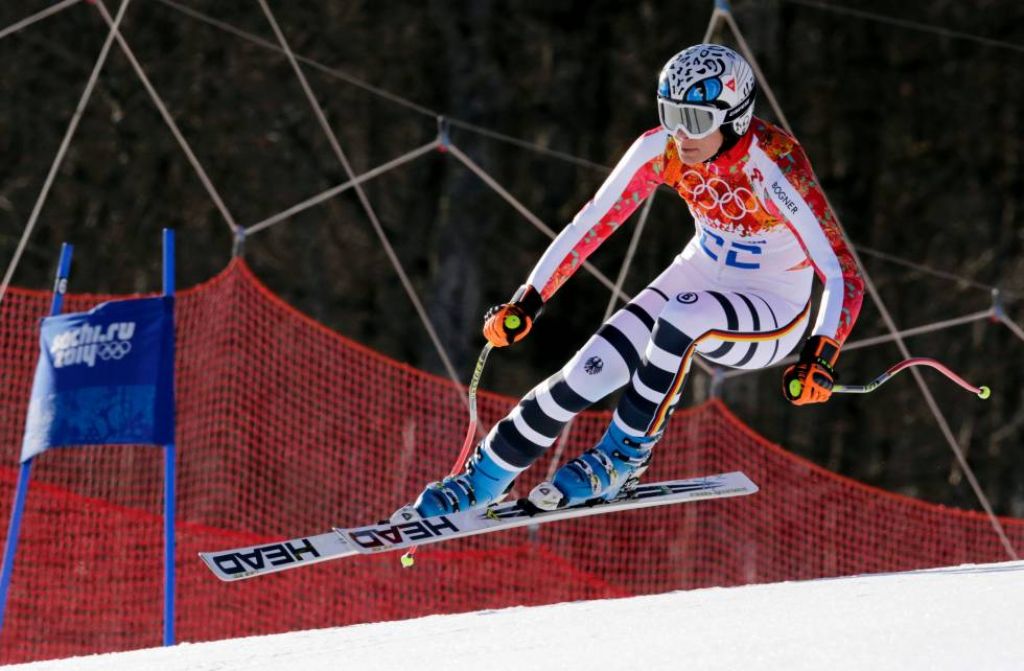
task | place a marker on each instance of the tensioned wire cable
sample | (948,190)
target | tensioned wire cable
(417,152)
(895,334)
(400,100)
(380,92)
(333,191)
(880,339)
(495,135)
(1012,325)
(407,157)
(222,25)
(527,214)
(38,16)
(717,14)
(616,289)
(896,260)
(83,101)
(353,182)
(906,23)
(186,148)
(363,199)
(887,318)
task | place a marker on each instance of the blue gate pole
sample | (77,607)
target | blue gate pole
(60,285)
(169,474)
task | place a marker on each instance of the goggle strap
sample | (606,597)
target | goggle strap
(740,110)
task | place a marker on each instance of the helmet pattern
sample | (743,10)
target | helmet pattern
(713,75)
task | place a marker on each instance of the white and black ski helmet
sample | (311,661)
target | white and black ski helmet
(707,76)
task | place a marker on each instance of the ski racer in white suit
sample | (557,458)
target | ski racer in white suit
(738,294)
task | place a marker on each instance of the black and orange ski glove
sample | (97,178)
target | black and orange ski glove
(811,379)
(510,322)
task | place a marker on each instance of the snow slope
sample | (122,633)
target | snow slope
(968,617)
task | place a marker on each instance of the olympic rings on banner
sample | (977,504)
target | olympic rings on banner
(114,350)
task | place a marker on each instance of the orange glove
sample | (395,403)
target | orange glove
(510,322)
(810,380)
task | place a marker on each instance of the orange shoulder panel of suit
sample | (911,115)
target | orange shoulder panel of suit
(644,180)
(787,153)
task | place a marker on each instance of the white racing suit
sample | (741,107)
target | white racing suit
(738,294)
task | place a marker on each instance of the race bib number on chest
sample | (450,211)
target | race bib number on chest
(740,255)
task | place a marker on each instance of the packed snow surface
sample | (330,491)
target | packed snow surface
(966,617)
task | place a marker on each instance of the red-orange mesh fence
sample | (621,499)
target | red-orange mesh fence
(285,429)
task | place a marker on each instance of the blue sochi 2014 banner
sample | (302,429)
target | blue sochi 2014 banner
(104,377)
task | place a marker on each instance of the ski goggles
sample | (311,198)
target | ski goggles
(697,121)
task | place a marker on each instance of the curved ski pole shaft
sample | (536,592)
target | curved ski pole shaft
(467,445)
(982,392)
(474,383)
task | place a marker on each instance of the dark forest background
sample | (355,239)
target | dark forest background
(915,135)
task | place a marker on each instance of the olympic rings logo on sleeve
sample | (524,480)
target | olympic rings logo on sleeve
(709,194)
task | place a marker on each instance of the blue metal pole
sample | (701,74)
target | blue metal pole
(60,285)
(169,474)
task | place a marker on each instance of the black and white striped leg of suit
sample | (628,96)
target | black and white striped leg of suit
(650,344)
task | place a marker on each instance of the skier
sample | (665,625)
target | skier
(738,294)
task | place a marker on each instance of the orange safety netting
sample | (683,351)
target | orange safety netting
(285,429)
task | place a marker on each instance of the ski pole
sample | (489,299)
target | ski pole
(408,559)
(981,392)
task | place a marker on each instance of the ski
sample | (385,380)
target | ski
(251,561)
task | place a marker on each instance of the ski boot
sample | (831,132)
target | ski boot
(481,484)
(601,473)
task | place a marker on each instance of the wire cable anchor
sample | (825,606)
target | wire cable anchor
(444,138)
